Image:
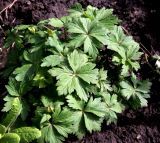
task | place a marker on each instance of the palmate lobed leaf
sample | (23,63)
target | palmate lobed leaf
(127,50)
(62,121)
(88,34)
(117,38)
(76,75)
(104,16)
(113,106)
(86,114)
(103,83)
(136,89)
(59,128)
(48,135)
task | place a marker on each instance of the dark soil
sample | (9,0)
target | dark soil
(141,19)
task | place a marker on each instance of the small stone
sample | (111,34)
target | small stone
(138,136)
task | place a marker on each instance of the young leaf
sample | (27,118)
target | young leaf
(78,73)
(112,108)
(127,50)
(51,103)
(27,134)
(103,84)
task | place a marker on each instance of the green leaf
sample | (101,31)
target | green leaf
(27,134)
(76,10)
(13,88)
(112,108)
(22,27)
(52,60)
(74,103)
(10,138)
(91,123)
(16,89)
(103,83)
(47,101)
(106,18)
(41,79)
(55,22)
(25,110)
(8,105)
(87,33)
(90,12)
(13,113)
(49,135)
(86,115)
(33,56)
(136,89)
(53,42)
(127,89)
(51,103)
(59,128)
(126,50)
(13,37)
(95,106)
(117,39)
(24,72)
(76,75)
(89,47)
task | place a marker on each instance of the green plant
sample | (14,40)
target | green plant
(10,134)
(55,75)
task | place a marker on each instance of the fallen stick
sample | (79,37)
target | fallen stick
(8,6)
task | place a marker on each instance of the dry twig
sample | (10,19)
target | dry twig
(8,7)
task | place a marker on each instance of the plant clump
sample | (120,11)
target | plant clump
(57,82)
